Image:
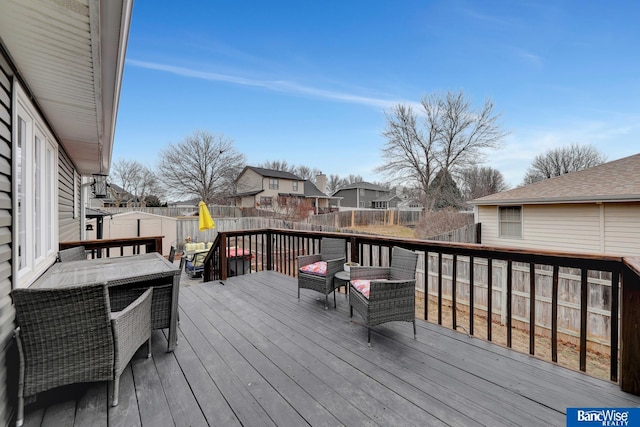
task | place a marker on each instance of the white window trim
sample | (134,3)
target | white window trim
(502,235)
(34,265)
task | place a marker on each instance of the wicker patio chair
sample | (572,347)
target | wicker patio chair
(76,253)
(391,291)
(172,254)
(332,251)
(69,335)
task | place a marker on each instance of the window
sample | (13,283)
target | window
(265,201)
(295,185)
(361,190)
(274,184)
(510,222)
(35,188)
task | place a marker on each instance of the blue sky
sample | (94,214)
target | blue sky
(308,81)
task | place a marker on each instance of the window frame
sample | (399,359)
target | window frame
(294,186)
(503,224)
(274,184)
(266,201)
(35,192)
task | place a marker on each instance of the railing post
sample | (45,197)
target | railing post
(223,256)
(355,256)
(629,360)
(269,251)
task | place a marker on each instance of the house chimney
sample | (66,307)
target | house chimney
(321,182)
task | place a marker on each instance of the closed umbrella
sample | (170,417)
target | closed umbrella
(204,220)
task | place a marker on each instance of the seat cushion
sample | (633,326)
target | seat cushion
(317,268)
(362,286)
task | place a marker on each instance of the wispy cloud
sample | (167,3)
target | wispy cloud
(528,56)
(284,86)
(491,19)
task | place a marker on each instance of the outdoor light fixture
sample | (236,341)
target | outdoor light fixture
(99,186)
(89,227)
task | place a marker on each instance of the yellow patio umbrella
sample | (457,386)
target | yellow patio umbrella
(204,217)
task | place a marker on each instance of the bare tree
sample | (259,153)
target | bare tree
(125,174)
(333,183)
(448,135)
(480,181)
(277,165)
(558,161)
(202,165)
(146,184)
(135,179)
(305,172)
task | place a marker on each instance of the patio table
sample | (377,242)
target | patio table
(145,270)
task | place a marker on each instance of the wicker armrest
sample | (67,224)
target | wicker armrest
(334,266)
(131,328)
(307,259)
(370,273)
(391,287)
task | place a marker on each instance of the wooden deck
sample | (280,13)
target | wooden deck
(251,354)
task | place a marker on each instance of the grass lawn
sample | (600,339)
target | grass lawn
(386,230)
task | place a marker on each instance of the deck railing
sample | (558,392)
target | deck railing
(117,247)
(533,294)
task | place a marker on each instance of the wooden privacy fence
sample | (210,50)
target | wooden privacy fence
(363,217)
(568,301)
(215,210)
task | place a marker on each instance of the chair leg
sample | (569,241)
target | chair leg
(350,311)
(298,292)
(116,389)
(326,301)
(368,336)
(415,336)
(149,347)
(334,298)
(20,415)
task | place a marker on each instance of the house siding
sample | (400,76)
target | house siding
(561,227)
(249,181)
(589,228)
(69,227)
(7,313)
(350,197)
(622,228)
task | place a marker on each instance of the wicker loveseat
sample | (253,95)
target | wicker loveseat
(69,335)
(332,252)
(76,253)
(385,294)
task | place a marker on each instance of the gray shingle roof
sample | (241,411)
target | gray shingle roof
(271,173)
(363,184)
(310,190)
(618,180)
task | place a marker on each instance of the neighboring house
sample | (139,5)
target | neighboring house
(409,204)
(320,201)
(595,210)
(117,197)
(277,190)
(388,201)
(61,66)
(367,195)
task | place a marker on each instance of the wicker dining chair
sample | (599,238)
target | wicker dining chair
(385,294)
(332,252)
(69,335)
(76,253)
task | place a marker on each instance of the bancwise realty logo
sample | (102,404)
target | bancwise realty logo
(605,417)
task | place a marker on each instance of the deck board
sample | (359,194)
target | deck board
(251,353)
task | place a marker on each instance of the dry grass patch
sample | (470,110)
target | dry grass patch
(386,230)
